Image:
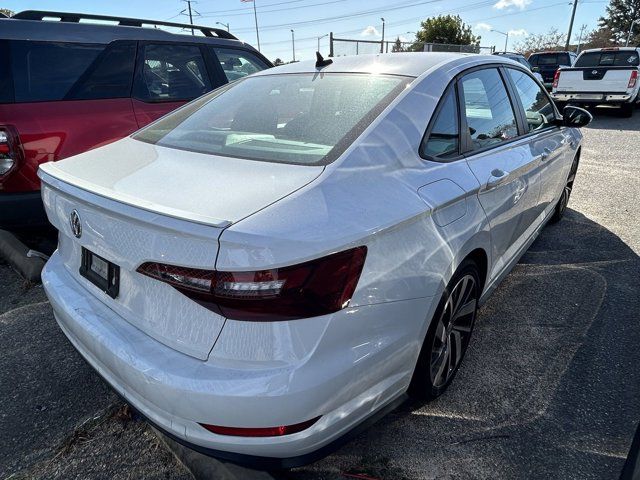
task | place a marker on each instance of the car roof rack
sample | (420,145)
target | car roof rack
(122,21)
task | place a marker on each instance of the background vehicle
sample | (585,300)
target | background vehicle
(68,86)
(521,60)
(604,76)
(547,63)
(278,261)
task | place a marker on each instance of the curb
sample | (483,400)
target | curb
(204,467)
(15,253)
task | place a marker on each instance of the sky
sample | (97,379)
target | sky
(357,19)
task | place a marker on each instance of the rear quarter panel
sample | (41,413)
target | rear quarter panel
(51,131)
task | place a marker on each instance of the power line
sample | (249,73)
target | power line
(205,15)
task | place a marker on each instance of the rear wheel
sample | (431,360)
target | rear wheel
(561,206)
(626,110)
(448,335)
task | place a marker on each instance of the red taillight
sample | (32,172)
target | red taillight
(260,432)
(556,79)
(309,289)
(10,150)
(633,79)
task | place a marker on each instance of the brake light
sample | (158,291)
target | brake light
(556,78)
(10,150)
(309,289)
(260,432)
(633,79)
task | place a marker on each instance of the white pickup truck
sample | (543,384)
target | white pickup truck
(603,76)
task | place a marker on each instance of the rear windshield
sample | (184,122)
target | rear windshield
(303,119)
(610,58)
(542,59)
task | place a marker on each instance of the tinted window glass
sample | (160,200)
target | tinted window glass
(537,106)
(172,73)
(443,139)
(47,71)
(304,119)
(610,58)
(237,63)
(549,59)
(533,60)
(487,108)
(110,76)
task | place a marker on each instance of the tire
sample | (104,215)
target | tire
(561,206)
(448,335)
(626,110)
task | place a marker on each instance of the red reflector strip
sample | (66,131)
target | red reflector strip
(260,432)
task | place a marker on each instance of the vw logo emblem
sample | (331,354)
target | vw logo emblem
(76,224)
(594,72)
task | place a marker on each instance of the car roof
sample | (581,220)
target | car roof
(611,49)
(412,64)
(81,32)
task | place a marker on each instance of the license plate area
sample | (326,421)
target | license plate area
(101,272)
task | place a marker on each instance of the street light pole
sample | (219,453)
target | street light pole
(224,25)
(382,41)
(506,37)
(320,37)
(573,15)
(582,29)
(630,31)
(293,45)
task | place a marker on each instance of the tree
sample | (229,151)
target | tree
(620,14)
(552,40)
(397,46)
(599,38)
(7,12)
(278,61)
(446,29)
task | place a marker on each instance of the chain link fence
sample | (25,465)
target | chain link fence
(340,47)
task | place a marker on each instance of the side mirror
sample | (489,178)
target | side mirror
(575,117)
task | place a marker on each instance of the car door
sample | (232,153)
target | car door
(548,144)
(500,159)
(167,76)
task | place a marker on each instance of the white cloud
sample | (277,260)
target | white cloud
(483,26)
(403,39)
(370,31)
(521,32)
(502,4)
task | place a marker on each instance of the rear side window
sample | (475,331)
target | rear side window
(487,109)
(608,58)
(172,73)
(443,138)
(110,76)
(45,71)
(237,64)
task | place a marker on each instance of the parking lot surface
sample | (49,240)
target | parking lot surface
(550,386)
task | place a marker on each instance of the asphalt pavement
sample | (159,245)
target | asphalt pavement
(550,386)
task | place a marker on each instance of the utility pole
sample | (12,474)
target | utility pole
(630,32)
(580,38)
(224,25)
(382,41)
(506,38)
(190,15)
(573,15)
(293,45)
(255,17)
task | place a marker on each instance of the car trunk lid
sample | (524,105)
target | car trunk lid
(127,222)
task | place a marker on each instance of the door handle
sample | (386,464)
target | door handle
(545,154)
(497,177)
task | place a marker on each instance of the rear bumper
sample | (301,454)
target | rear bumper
(22,210)
(595,98)
(176,392)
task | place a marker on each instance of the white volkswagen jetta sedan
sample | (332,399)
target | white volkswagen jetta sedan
(284,258)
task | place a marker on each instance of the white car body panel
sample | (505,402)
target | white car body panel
(419,219)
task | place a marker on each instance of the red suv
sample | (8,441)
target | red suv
(67,86)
